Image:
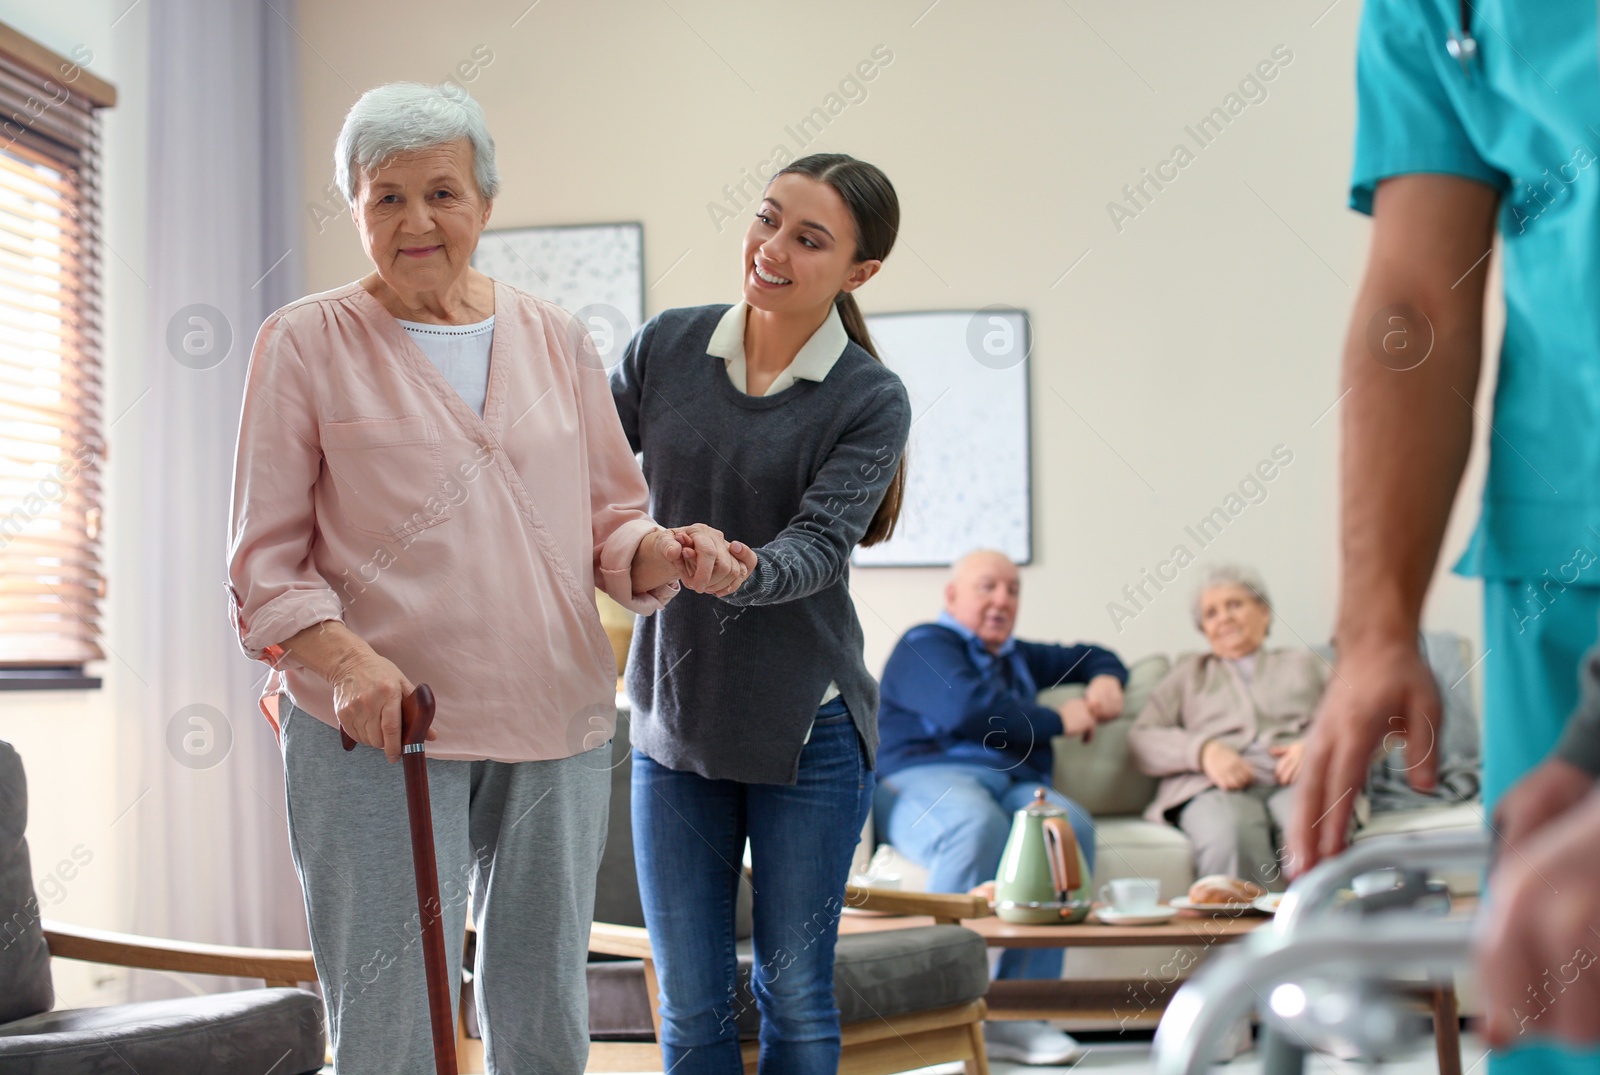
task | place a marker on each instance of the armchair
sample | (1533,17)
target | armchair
(244,1032)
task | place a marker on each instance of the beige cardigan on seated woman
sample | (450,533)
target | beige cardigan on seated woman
(1205,698)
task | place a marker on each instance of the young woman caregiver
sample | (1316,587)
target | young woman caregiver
(754,715)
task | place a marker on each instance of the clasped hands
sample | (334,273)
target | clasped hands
(699,556)
(1101,701)
(1229,771)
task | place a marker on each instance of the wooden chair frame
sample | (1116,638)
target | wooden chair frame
(275,967)
(871,1046)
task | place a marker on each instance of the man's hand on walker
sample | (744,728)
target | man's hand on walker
(367,689)
(712,564)
(1378,690)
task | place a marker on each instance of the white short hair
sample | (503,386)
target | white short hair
(1230,575)
(401,116)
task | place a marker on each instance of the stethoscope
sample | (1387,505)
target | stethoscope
(1461,45)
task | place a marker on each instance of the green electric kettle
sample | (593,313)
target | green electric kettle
(1044,878)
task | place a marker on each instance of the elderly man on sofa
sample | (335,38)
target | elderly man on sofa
(965,744)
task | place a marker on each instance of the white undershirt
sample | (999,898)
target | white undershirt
(462,354)
(1245,666)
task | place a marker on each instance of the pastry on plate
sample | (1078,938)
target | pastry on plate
(1219,888)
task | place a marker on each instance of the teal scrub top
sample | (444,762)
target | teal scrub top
(1526,121)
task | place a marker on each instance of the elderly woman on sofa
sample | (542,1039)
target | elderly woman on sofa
(430,482)
(1225,730)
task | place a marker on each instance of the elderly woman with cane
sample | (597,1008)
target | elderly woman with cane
(431,480)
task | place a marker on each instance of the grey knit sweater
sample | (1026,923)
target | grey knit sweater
(727,687)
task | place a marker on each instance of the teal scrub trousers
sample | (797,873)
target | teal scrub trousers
(1530,677)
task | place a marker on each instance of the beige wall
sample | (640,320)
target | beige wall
(1172,359)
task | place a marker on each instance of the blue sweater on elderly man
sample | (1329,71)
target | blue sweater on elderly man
(945,698)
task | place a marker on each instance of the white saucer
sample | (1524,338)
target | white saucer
(1160,914)
(1268,904)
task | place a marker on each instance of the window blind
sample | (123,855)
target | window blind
(51,451)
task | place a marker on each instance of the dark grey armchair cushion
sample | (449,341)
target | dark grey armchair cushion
(245,1033)
(25,987)
(884,974)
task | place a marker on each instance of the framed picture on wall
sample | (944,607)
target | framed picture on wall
(969,477)
(593,271)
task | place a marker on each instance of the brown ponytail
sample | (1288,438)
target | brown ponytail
(872,202)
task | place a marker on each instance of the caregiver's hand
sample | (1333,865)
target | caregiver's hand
(1378,688)
(367,689)
(713,564)
(1536,962)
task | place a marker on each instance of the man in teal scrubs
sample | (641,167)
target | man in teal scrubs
(1497,133)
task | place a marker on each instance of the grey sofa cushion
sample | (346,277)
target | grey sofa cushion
(217,1034)
(883,974)
(25,987)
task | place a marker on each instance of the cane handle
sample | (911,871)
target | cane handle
(416,717)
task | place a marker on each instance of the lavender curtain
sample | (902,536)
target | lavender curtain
(212,859)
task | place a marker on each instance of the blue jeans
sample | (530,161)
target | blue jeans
(689,834)
(953,818)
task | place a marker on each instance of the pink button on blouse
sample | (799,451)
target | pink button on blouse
(466,550)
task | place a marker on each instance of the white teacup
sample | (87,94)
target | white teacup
(1131,895)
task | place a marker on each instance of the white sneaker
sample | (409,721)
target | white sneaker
(1029,1042)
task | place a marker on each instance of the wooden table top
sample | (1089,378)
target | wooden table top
(1188,928)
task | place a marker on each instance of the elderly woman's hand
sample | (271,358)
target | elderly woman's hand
(1225,767)
(367,689)
(1104,697)
(1288,766)
(712,563)
(657,561)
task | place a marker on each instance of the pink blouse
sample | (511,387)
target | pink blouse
(466,550)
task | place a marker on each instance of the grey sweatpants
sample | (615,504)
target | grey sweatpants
(523,839)
(1239,833)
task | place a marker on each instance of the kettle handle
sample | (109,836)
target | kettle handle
(1061,848)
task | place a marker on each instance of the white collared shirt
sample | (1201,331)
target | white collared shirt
(811,363)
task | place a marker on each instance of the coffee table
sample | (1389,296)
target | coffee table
(1085,1004)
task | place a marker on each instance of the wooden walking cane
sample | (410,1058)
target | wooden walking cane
(416,715)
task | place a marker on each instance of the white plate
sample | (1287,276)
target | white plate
(1183,903)
(1268,904)
(1135,918)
